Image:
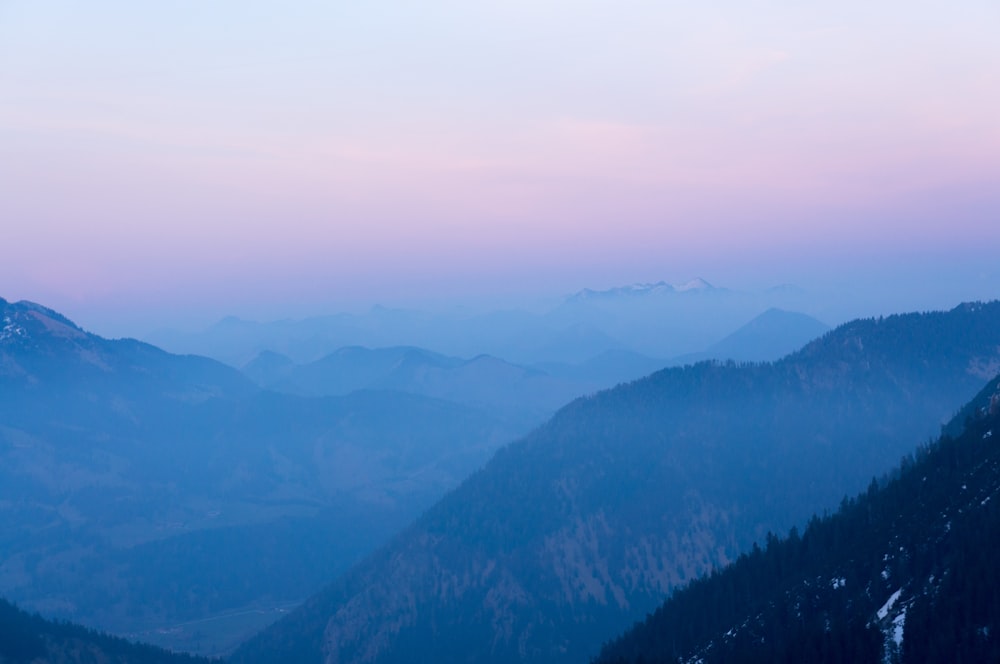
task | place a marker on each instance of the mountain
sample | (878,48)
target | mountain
(269,368)
(41,350)
(570,534)
(659,288)
(905,572)
(25,639)
(169,497)
(523,396)
(769,336)
(664,320)
(656,320)
(343,371)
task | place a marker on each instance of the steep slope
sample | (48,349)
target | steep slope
(26,639)
(113,452)
(903,573)
(575,531)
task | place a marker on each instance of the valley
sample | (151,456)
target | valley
(189,505)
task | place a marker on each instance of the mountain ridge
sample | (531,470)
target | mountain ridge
(658,288)
(897,574)
(568,329)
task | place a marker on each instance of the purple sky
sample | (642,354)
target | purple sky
(186,160)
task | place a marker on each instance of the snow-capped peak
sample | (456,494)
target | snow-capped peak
(695,284)
(642,289)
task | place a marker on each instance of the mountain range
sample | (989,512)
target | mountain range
(524,395)
(657,320)
(177,500)
(132,481)
(581,527)
(658,288)
(127,469)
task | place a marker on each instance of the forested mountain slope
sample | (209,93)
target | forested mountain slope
(29,639)
(903,573)
(572,533)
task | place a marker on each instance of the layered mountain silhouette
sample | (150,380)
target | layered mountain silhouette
(142,490)
(524,395)
(573,532)
(659,320)
(657,289)
(905,572)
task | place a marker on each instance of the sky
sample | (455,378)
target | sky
(175,162)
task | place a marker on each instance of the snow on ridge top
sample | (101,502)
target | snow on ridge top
(695,284)
(662,286)
(644,288)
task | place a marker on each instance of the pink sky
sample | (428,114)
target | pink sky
(320,156)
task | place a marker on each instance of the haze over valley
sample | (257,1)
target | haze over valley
(499,332)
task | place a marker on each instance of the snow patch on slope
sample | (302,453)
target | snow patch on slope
(11,329)
(887,607)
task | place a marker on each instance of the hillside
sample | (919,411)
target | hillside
(132,482)
(575,531)
(905,572)
(29,639)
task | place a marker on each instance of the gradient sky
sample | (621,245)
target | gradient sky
(200,158)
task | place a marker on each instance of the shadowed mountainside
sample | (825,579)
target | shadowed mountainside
(905,573)
(29,639)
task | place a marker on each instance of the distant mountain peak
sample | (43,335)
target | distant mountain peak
(695,284)
(641,289)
